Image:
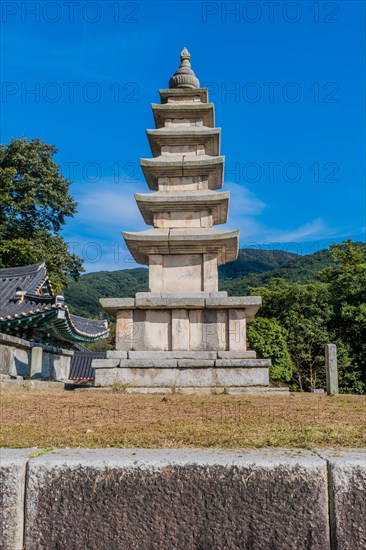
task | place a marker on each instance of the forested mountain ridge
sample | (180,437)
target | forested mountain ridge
(298,269)
(83,296)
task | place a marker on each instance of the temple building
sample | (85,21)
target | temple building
(30,310)
(184,334)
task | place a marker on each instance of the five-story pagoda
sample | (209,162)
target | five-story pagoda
(183,333)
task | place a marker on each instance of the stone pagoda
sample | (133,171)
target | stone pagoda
(183,335)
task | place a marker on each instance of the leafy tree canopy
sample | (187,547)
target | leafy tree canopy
(330,310)
(347,288)
(269,339)
(303,311)
(34,204)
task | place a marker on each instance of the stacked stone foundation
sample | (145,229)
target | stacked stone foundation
(198,372)
(199,348)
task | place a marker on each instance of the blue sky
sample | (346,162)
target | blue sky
(287,80)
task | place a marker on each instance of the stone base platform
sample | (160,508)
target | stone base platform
(182,370)
(250,390)
(27,384)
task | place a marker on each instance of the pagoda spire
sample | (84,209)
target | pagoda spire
(184,77)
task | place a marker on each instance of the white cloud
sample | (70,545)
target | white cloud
(316,229)
(111,206)
(243,201)
(245,209)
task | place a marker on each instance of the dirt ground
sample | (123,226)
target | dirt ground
(58,418)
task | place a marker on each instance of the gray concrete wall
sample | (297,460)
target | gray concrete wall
(182,499)
(15,359)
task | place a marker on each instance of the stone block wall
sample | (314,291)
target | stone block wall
(182,499)
(15,356)
(15,359)
(181,329)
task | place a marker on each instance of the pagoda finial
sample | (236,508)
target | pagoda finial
(185,57)
(184,77)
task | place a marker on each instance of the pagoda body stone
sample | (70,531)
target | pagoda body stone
(183,333)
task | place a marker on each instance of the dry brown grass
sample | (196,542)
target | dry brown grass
(106,419)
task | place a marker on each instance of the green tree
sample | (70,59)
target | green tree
(304,311)
(347,289)
(34,204)
(269,339)
(328,311)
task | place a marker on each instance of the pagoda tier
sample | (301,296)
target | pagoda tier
(194,140)
(172,114)
(183,172)
(187,255)
(183,241)
(202,208)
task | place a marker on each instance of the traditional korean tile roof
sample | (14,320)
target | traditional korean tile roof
(81,369)
(27,300)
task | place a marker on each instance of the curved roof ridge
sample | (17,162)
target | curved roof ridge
(79,324)
(10,272)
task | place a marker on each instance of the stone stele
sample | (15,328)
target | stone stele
(183,333)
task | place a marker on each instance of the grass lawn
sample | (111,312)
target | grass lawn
(57,418)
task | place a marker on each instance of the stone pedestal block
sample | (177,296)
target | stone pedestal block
(181,499)
(331,369)
(187,272)
(12,490)
(347,483)
(237,330)
(125,333)
(209,273)
(180,329)
(36,362)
